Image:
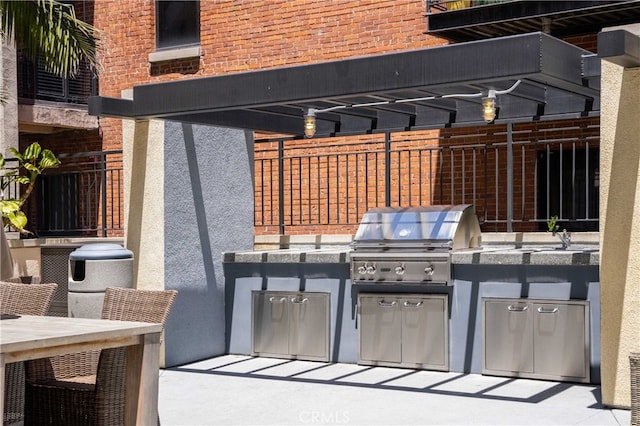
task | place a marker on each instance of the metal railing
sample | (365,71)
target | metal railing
(437,6)
(81,197)
(516,178)
(516,182)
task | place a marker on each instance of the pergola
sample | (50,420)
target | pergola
(533,76)
(412,90)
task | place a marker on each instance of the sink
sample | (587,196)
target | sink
(532,249)
(576,248)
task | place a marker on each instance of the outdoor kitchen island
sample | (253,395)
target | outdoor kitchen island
(511,308)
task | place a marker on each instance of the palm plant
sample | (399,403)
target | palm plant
(49,29)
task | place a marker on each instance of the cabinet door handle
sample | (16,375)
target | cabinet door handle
(386,304)
(274,299)
(296,300)
(412,305)
(517,308)
(547,311)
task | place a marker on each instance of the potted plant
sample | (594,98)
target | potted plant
(30,164)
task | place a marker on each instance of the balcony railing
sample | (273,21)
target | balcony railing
(436,6)
(81,197)
(517,179)
(515,186)
(465,20)
(36,83)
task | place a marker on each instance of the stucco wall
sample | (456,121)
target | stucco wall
(208,205)
(189,197)
(619,227)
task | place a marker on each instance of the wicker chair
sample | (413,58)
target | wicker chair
(25,279)
(20,299)
(88,388)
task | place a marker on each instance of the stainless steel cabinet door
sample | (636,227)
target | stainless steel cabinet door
(508,336)
(309,337)
(560,343)
(424,331)
(380,329)
(270,323)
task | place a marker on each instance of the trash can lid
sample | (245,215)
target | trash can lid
(99,251)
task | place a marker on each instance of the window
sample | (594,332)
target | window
(177,24)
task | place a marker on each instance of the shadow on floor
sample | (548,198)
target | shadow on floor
(401,379)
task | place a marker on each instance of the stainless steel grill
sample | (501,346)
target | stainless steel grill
(412,245)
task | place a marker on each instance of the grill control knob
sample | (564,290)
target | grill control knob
(362,270)
(399,269)
(371,269)
(429,270)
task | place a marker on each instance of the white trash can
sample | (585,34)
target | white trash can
(93,268)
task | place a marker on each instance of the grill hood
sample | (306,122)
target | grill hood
(439,227)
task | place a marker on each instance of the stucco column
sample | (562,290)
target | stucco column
(142,146)
(619,227)
(143,159)
(8,130)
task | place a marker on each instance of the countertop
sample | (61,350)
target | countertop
(489,255)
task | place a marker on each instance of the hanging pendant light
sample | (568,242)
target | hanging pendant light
(310,123)
(489,107)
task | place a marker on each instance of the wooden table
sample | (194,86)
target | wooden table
(33,337)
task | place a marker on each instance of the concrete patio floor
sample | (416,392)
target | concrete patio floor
(241,390)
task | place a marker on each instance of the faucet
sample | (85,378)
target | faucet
(565,238)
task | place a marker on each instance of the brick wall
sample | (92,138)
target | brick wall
(67,142)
